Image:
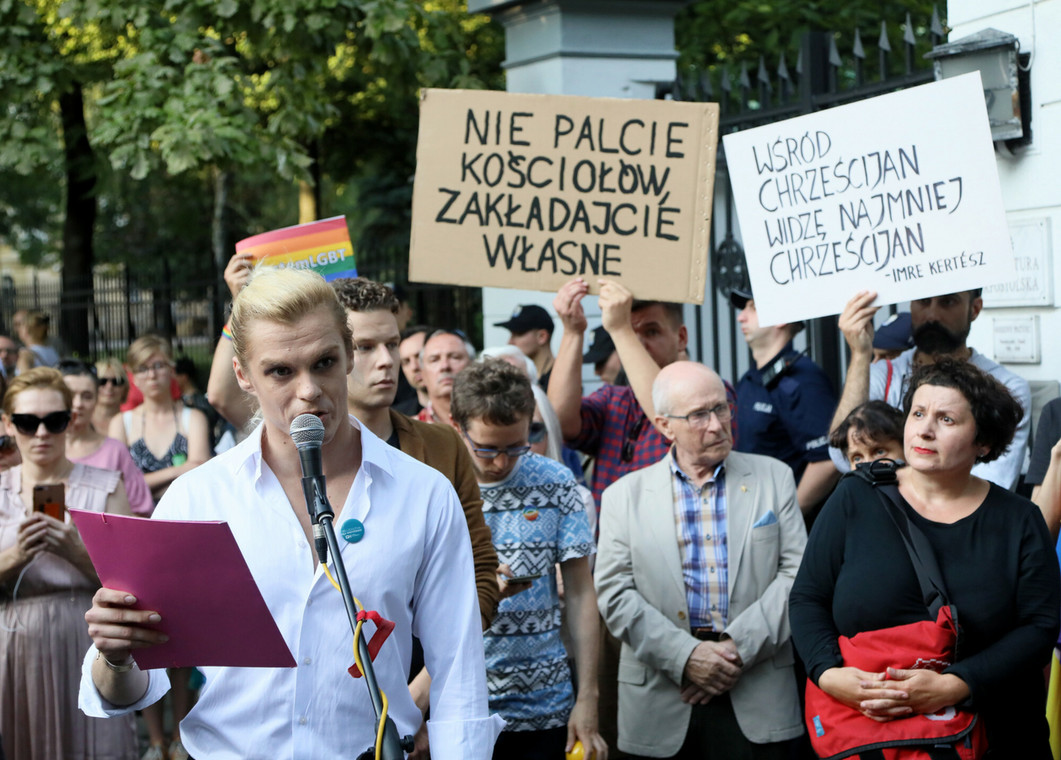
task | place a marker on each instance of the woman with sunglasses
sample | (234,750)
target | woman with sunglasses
(113,390)
(87,445)
(47,582)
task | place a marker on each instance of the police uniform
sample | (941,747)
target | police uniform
(784,409)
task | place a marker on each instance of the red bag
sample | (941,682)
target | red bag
(838,731)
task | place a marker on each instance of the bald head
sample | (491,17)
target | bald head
(693,412)
(679,376)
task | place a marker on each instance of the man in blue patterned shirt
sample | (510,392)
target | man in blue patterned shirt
(538,521)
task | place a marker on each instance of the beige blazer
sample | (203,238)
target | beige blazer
(641,595)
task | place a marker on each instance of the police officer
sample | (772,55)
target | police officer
(784,404)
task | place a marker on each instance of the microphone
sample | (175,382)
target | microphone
(307,432)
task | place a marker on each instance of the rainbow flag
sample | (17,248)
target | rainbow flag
(323,246)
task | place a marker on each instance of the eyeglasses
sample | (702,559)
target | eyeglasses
(29,424)
(702,417)
(537,432)
(117,382)
(489,454)
(143,369)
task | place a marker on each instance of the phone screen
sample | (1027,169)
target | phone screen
(50,499)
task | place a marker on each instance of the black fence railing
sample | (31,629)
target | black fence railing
(119,306)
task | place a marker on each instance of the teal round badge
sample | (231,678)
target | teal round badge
(353,530)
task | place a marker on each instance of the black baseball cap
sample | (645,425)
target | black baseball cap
(601,347)
(528,317)
(739,297)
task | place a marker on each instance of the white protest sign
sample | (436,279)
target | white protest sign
(897,194)
(528,191)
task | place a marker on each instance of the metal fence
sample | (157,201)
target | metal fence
(830,69)
(120,306)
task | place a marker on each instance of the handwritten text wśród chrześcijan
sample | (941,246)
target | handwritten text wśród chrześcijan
(831,213)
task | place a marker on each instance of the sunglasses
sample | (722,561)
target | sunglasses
(537,432)
(117,382)
(29,424)
(631,440)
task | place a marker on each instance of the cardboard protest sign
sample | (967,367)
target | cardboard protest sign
(528,191)
(897,194)
(323,246)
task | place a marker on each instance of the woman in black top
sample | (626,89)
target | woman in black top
(994,552)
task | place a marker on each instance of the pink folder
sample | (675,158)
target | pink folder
(194,576)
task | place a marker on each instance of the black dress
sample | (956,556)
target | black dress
(1000,572)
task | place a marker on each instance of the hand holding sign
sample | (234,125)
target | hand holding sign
(238,271)
(568,305)
(615,303)
(856,322)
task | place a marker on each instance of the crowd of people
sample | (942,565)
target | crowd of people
(671,566)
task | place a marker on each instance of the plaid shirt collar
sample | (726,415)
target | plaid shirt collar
(677,471)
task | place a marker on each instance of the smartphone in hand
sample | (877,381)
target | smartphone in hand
(523,578)
(50,499)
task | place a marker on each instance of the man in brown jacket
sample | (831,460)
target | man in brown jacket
(371,312)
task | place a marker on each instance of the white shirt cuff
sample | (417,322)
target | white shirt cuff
(94,705)
(464,739)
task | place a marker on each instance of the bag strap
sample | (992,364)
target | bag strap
(888,381)
(881,475)
(929,577)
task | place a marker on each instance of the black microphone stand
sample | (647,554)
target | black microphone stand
(394,748)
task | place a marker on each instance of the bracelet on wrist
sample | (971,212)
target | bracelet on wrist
(124,667)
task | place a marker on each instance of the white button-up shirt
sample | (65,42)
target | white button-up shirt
(413,566)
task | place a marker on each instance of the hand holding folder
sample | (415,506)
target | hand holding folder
(194,576)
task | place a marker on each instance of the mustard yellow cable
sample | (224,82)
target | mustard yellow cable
(357,659)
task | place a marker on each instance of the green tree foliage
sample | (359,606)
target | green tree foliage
(134,108)
(370,152)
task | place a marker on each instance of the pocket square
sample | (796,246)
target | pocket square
(768,519)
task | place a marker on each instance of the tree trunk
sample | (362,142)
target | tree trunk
(221,252)
(78,224)
(309,192)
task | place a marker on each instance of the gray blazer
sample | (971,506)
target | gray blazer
(641,595)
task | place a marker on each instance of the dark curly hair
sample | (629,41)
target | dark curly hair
(876,421)
(996,413)
(492,390)
(361,294)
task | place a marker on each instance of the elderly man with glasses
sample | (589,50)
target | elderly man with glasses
(697,556)
(537,520)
